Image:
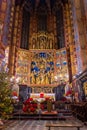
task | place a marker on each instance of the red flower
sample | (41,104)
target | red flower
(25,109)
(30,99)
(35,105)
(32,109)
(41,95)
(26,102)
(47,98)
(68,93)
(14,93)
(29,105)
(42,106)
(64,99)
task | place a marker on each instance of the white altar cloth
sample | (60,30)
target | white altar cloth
(46,95)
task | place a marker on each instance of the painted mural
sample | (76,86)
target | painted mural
(3,8)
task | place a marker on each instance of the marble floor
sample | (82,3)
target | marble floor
(38,125)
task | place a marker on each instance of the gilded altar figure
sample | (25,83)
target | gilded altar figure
(38,79)
(52,77)
(32,78)
(46,79)
(33,43)
(42,43)
(42,78)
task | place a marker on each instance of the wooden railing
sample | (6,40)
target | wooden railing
(80,110)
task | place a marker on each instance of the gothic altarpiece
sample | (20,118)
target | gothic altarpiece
(41,56)
(42,68)
(38,55)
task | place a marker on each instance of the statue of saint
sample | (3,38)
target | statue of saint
(33,44)
(46,79)
(43,43)
(32,78)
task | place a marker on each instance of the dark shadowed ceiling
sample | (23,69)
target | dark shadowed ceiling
(35,3)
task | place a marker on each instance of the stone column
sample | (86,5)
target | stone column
(13,36)
(69,40)
(82,31)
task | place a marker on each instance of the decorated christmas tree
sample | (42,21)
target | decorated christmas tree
(6,106)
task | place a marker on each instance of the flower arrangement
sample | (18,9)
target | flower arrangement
(30,106)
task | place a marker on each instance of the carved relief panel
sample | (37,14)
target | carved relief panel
(42,68)
(42,40)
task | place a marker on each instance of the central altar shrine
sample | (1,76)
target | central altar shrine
(37,68)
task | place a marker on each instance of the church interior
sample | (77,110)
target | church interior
(43,51)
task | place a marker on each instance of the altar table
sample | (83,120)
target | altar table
(36,96)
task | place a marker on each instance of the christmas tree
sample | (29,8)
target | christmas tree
(6,106)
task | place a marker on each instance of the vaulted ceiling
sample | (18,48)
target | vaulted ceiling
(34,4)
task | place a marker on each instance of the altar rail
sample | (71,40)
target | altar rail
(80,110)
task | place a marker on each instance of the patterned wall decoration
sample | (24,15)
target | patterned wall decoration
(3,9)
(5,59)
(22,66)
(81,24)
(6,23)
(61,66)
(2,16)
(6,55)
(77,41)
